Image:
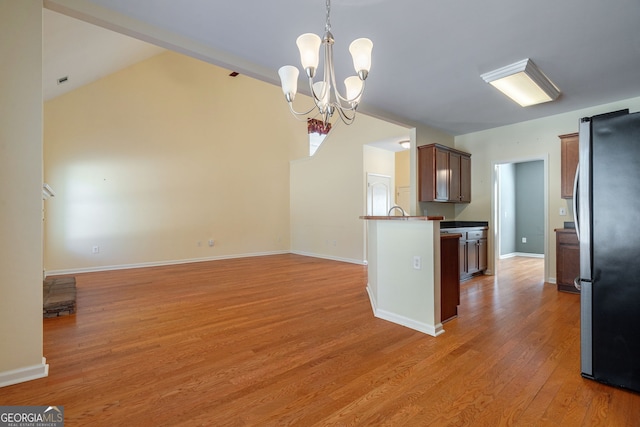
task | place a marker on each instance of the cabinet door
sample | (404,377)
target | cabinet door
(569,152)
(449,278)
(473,260)
(442,175)
(454,177)
(465,179)
(463,256)
(426,173)
(482,254)
(567,260)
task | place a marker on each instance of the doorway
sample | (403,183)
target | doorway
(519,209)
(378,194)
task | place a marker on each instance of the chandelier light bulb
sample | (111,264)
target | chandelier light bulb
(360,50)
(309,46)
(321,93)
(289,80)
(353,86)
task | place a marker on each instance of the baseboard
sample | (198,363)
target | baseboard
(330,257)
(425,328)
(523,254)
(433,330)
(21,375)
(159,263)
(374,303)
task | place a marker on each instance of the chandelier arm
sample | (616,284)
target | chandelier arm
(328,66)
(296,114)
(339,99)
(345,117)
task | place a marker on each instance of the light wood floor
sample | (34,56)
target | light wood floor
(291,340)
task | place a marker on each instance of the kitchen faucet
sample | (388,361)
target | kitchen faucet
(396,207)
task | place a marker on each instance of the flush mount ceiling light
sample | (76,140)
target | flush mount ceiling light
(405,144)
(326,101)
(523,82)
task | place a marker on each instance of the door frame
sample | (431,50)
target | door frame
(495,208)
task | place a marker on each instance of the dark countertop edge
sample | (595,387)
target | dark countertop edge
(404,218)
(565,230)
(463,224)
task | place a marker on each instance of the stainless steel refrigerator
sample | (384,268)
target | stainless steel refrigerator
(608,213)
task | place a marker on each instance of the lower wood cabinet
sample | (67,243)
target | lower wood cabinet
(449,276)
(567,259)
(472,250)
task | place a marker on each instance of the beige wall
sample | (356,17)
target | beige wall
(536,139)
(328,191)
(403,168)
(151,162)
(21,191)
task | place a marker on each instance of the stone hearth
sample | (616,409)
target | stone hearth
(59,296)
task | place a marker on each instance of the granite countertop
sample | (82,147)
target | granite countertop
(461,224)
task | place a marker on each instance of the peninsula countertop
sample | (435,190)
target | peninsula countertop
(404,218)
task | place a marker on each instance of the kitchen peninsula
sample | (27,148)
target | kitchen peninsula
(404,270)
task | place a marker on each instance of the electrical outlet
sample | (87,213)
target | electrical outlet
(417,262)
(524,240)
(563,211)
(95,250)
(210,242)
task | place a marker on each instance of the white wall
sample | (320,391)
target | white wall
(399,292)
(328,191)
(21,191)
(528,140)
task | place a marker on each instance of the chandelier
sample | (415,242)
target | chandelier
(327,102)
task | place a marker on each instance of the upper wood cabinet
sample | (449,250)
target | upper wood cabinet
(444,174)
(569,157)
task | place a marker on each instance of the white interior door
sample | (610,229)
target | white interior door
(378,194)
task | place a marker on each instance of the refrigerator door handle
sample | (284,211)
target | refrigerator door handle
(576,205)
(576,283)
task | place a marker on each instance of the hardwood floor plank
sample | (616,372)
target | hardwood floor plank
(291,340)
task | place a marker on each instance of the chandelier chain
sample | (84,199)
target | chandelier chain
(327,26)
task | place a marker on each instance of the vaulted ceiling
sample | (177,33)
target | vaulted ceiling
(427,58)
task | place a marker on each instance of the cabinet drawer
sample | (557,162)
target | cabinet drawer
(476,234)
(567,238)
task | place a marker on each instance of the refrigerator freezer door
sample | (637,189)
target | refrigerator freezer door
(615,251)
